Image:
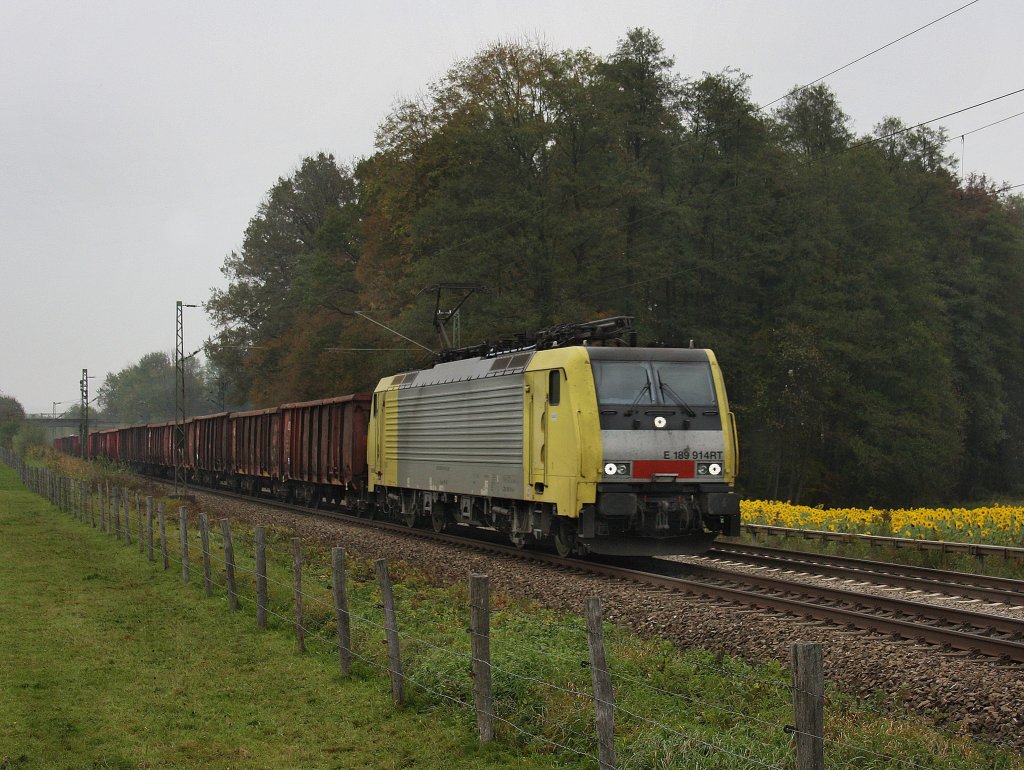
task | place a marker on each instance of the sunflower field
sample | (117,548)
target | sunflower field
(994,524)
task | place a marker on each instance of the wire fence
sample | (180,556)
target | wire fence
(543,676)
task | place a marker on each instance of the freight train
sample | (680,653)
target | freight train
(596,448)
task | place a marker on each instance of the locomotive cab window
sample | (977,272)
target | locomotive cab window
(641,383)
(623,382)
(689,381)
(554,387)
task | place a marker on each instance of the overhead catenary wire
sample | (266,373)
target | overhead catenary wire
(987,125)
(616,287)
(544,205)
(865,56)
(894,134)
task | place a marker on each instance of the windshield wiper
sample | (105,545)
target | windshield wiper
(666,387)
(646,388)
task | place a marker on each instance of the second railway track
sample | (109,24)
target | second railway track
(955,584)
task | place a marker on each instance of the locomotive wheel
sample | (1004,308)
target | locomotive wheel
(412,510)
(565,537)
(437,518)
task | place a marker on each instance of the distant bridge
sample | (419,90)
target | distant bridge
(56,427)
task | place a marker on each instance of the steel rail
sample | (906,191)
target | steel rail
(961,584)
(905,607)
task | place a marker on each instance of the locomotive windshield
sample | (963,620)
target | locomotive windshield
(623,382)
(692,381)
(654,382)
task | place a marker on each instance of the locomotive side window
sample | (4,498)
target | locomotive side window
(691,381)
(554,387)
(622,382)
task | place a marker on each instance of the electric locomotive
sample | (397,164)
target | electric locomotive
(610,450)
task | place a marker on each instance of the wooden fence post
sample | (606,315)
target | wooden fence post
(204,538)
(808,704)
(480,628)
(300,627)
(163,534)
(99,504)
(183,535)
(149,527)
(391,630)
(117,514)
(127,518)
(341,611)
(138,515)
(604,697)
(261,578)
(229,563)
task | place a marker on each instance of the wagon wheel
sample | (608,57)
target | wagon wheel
(565,537)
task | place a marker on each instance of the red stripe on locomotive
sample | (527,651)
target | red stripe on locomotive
(644,469)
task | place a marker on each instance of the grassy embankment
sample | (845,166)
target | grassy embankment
(106,660)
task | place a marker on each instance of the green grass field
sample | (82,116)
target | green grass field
(108,661)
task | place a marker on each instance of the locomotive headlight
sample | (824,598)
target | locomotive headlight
(616,469)
(714,469)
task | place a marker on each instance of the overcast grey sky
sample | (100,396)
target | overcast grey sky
(137,138)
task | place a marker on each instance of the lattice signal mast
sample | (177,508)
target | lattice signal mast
(179,401)
(83,414)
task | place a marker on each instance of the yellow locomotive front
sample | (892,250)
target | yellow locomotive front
(635,447)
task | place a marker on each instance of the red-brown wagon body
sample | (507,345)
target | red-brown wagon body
(324,447)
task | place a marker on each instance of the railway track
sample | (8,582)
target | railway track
(923,579)
(949,628)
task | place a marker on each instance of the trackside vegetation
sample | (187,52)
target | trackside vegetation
(994,524)
(110,661)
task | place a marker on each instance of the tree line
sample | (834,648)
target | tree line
(864,301)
